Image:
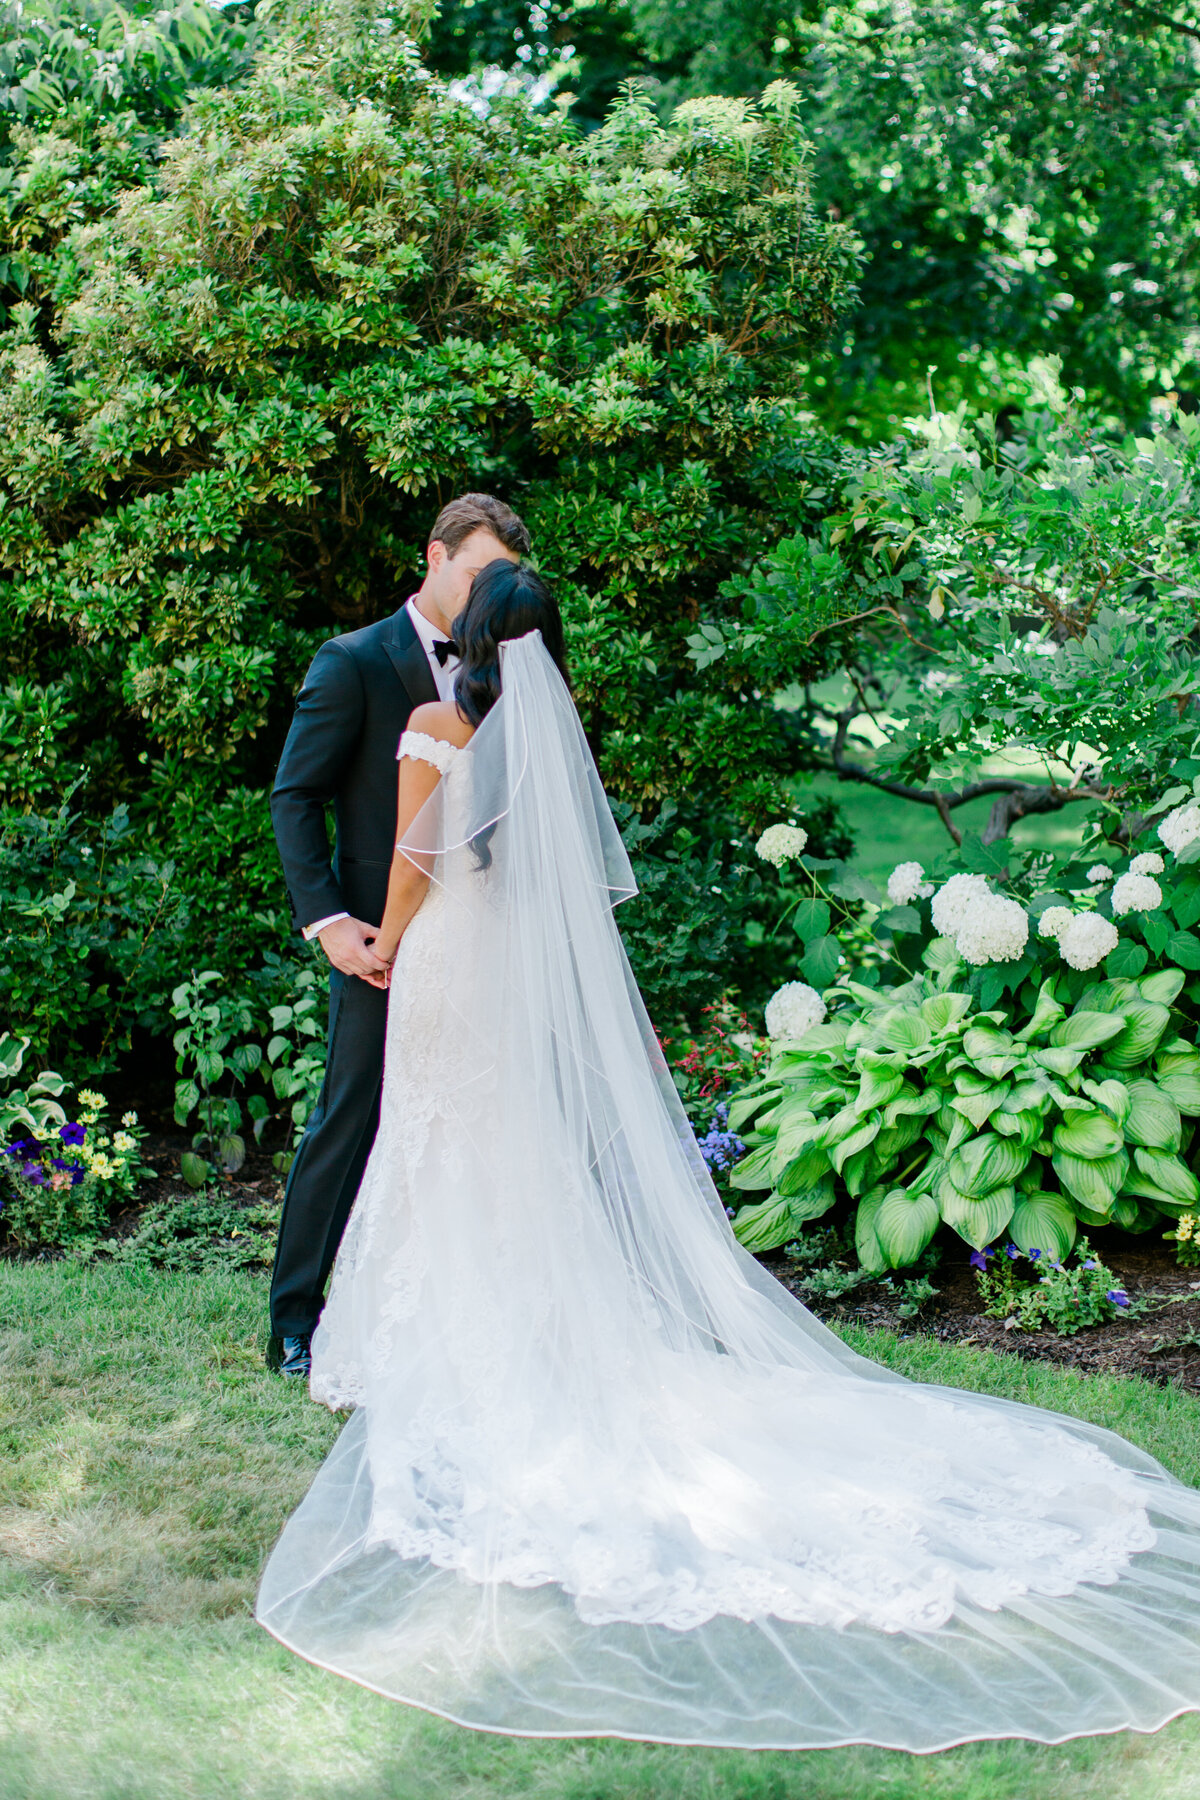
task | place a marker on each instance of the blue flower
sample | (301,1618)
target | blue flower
(1091,1263)
(1118,1296)
(729,1212)
(72,1134)
(1033,1254)
(1011,1251)
(979,1259)
(34,1174)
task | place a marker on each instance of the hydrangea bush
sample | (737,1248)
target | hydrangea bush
(1024,1062)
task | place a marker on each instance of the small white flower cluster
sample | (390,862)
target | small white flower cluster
(1180,827)
(1100,872)
(1148,863)
(794,1009)
(907,882)
(986,926)
(781,843)
(1084,939)
(1135,893)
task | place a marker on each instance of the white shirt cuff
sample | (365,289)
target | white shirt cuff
(309,932)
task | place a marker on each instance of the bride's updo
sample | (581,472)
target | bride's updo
(506,600)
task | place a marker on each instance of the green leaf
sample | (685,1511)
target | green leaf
(810,919)
(1088,1134)
(1182,1085)
(1093,1181)
(876,1088)
(1156,930)
(765,1226)
(866,1242)
(1043,1221)
(1112,1095)
(194,1169)
(210,1065)
(754,1170)
(1127,959)
(1154,1121)
(1145,1022)
(987,1161)
(941,1012)
(1163,986)
(1168,1174)
(900,1028)
(980,1107)
(904,1222)
(801,1170)
(820,962)
(1085,1030)
(977,1221)
(187,1098)
(1183,947)
(865,1133)
(812,1204)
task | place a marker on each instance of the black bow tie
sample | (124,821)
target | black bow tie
(443,649)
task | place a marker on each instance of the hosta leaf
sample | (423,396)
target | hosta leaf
(1112,1095)
(987,1162)
(1169,1174)
(876,1088)
(811,1205)
(800,1171)
(1154,1120)
(943,1011)
(900,1028)
(1090,1134)
(825,1038)
(1059,1062)
(765,1226)
(745,1107)
(904,1223)
(1084,1030)
(866,1243)
(1025,1127)
(911,1101)
(980,1107)
(866,1133)
(1145,1022)
(1182,1085)
(861,1171)
(1094,1182)
(1163,986)
(977,1221)
(753,1171)
(1043,1221)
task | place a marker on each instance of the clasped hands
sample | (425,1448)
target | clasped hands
(353,946)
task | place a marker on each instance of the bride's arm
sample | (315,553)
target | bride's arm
(406,883)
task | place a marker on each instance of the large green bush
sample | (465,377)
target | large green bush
(232,404)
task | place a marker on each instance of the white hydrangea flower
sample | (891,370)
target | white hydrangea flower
(1054,921)
(781,843)
(1087,940)
(907,882)
(794,1009)
(1100,872)
(1148,863)
(1180,827)
(995,929)
(1135,893)
(954,900)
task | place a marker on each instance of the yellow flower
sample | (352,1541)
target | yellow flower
(103,1168)
(1185,1228)
(124,1142)
(129,1118)
(89,1097)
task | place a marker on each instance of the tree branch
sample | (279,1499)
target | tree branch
(1015,798)
(1162,18)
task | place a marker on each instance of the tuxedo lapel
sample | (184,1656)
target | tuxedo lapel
(407,656)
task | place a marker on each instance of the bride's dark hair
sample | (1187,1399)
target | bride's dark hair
(506,600)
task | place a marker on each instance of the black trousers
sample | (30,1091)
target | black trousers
(333,1153)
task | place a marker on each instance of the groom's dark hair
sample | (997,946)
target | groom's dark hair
(479,512)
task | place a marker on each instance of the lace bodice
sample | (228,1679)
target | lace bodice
(428,749)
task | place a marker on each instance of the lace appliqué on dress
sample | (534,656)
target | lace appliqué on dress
(428,749)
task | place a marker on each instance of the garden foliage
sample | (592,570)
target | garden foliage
(237,390)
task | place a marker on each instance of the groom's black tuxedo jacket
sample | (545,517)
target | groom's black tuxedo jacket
(350,712)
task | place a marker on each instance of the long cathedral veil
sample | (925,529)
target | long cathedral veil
(604,1475)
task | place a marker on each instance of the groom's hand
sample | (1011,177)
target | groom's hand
(347,943)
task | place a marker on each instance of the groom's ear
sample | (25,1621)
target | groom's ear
(436,554)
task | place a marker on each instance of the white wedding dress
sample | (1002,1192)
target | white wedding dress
(603,1475)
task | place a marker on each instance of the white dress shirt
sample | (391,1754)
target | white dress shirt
(443,678)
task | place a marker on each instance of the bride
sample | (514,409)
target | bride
(602,1474)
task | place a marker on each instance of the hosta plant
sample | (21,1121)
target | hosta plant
(925,1108)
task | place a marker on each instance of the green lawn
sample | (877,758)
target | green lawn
(149,1463)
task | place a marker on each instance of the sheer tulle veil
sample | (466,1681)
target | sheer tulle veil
(603,1475)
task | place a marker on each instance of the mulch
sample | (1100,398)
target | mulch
(1162,1344)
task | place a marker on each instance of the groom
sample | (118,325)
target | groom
(354,703)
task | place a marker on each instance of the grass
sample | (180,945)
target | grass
(148,1465)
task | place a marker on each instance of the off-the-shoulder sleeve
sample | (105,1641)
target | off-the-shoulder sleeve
(430,749)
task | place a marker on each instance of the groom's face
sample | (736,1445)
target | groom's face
(450,577)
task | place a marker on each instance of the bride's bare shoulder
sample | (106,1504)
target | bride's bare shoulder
(441,719)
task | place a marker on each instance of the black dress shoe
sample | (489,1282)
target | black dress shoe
(290,1355)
